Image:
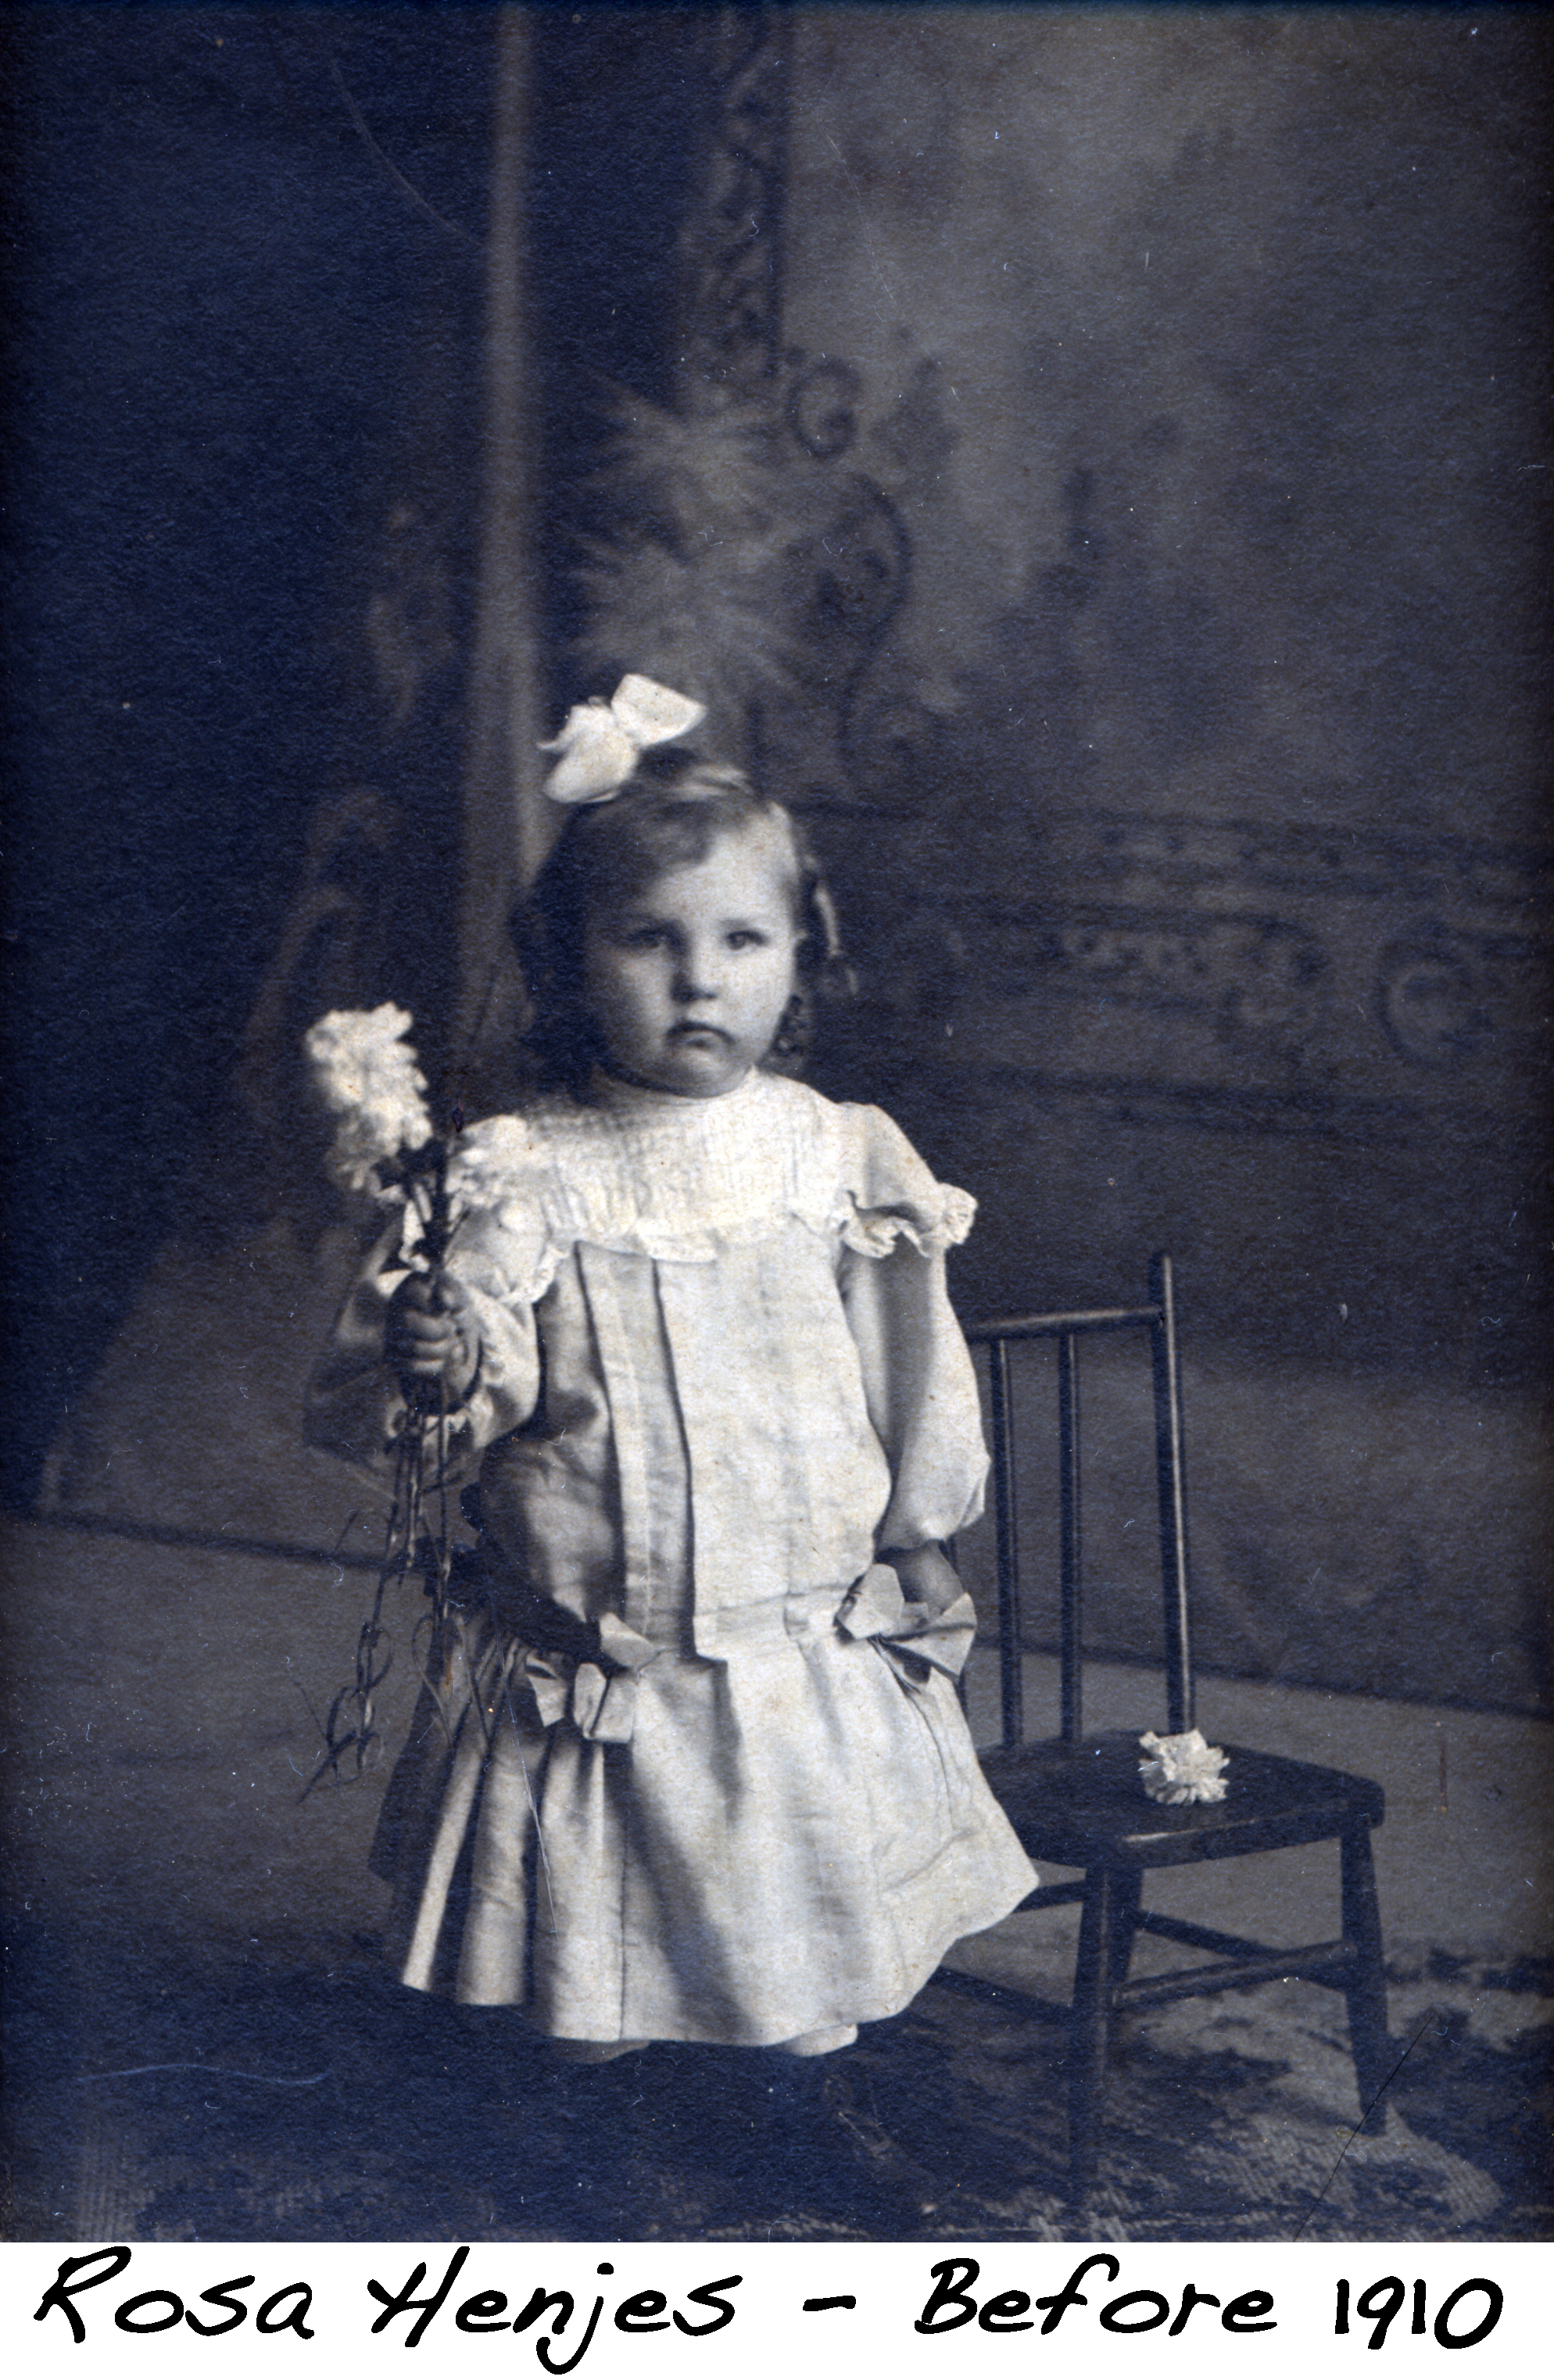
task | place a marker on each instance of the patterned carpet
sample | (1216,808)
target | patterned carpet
(264,2105)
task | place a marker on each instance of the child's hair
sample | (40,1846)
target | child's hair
(668,815)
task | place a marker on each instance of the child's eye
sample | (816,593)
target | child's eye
(643,937)
(746,938)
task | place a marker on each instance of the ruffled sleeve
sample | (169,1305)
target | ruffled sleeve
(890,1195)
(917,1374)
(503,1257)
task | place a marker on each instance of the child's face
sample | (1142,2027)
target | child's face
(687,981)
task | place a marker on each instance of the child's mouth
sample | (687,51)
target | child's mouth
(694,1032)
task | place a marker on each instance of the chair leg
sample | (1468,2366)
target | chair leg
(1126,1889)
(1367,1994)
(1100,1925)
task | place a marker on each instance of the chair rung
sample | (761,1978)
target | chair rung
(1056,1325)
(1313,1964)
(1199,1937)
(1054,1896)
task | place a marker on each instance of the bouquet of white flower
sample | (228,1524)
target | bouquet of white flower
(367,1077)
(369,1080)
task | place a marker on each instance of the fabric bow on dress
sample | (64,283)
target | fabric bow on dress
(913,1639)
(600,1694)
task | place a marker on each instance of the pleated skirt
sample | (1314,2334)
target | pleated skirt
(791,1839)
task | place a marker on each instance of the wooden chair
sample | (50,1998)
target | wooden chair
(1079,1802)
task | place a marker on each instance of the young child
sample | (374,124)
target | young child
(698,1773)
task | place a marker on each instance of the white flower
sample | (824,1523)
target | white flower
(367,1075)
(1182,1768)
(480,1173)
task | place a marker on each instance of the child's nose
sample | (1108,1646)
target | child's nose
(696,976)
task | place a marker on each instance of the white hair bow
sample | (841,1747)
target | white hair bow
(602,741)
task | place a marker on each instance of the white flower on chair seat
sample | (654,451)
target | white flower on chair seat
(1181,1767)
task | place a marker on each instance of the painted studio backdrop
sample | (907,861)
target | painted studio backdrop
(1092,462)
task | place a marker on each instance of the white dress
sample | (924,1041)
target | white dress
(719,1371)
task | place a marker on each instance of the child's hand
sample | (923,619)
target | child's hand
(432,1340)
(926,1577)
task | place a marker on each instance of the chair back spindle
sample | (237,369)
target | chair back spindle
(1171,1479)
(1006,1527)
(1071,1545)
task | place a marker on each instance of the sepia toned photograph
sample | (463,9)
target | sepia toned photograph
(778,771)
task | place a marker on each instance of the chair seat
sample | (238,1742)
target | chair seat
(1080,1804)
